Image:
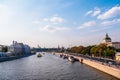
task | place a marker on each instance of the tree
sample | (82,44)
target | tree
(76,49)
(94,51)
(86,50)
(118,50)
(98,50)
(4,49)
(110,53)
(101,50)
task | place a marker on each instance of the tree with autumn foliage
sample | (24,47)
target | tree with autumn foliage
(76,49)
(101,50)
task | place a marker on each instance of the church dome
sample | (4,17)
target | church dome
(107,39)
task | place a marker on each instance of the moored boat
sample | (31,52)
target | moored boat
(61,55)
(71,59)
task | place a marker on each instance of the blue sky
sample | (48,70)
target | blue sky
(50,23)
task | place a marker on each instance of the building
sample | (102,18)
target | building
(19,48)
(108,41)
(27,49)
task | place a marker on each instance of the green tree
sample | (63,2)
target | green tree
(110,53)
(4,49)
(86,50)
(118,50)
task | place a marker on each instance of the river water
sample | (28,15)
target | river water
(49,67)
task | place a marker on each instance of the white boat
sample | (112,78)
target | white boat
(39,55)
(71,59)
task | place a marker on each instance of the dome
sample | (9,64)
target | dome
(107,39)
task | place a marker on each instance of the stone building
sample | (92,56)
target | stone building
(19,48)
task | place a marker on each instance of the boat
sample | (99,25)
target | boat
(39,55)
(61,55)
(71,59)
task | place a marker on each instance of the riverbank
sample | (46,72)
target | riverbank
(100,66)
(2,59)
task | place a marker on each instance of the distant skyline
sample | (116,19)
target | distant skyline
(50,23)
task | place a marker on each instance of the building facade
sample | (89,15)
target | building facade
(27,49)
(19,48)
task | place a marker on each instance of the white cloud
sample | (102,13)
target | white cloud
(89,12)
(55,19)
(53,29)
(114,21)
(111,13)
(94,12)
(87,24)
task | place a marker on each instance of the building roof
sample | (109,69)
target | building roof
(107,37)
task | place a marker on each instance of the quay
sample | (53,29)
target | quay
(2,59)
(98,65)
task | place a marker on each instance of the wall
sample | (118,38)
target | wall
(107,69)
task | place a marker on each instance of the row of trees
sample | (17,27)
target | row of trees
(100,50)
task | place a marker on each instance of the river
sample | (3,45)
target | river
(49,67)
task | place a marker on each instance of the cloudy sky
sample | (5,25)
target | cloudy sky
(50,23)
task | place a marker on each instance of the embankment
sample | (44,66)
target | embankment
(100,66)
(2,59)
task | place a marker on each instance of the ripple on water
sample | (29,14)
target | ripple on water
(49,67)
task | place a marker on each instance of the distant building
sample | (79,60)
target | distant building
(1,46)
(19,48)
(27,49)
(108,41)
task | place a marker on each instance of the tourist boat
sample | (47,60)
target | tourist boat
(71,59)
(39,55)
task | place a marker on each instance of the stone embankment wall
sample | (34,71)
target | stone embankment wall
(102,67)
